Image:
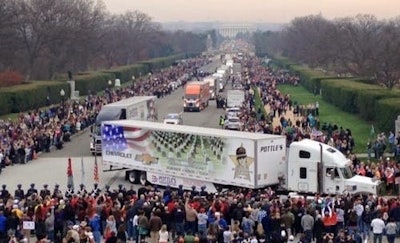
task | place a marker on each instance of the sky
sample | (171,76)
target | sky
(240,11)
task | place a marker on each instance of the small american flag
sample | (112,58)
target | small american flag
(118,138)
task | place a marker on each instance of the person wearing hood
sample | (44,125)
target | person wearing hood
(319,229)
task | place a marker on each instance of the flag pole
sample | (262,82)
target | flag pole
(82,172)
(70,179)
(96,169)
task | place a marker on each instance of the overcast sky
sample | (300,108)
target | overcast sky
(273,11)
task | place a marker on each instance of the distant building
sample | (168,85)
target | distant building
(231,30)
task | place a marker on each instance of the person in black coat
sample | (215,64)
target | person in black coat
(19,193)
(319,229)
(32,190)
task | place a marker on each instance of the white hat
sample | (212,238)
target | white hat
(75,227)
(291,238)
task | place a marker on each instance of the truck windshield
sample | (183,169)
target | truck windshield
(346,172)
(191,97)
(97,130)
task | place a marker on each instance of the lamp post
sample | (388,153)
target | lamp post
(133,81)
(62,94)
(109,90)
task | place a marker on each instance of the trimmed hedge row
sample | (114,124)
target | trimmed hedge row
(98,81)
(354,95)
(33,95)
(30,96)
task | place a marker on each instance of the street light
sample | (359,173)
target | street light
(109,90)
(133,81)
(62,94)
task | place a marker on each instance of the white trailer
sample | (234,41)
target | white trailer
(235,98)
(134,108)
(213,82)
(172,155)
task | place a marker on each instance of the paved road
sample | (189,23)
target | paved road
(51,168)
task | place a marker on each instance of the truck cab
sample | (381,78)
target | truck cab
(134,108)
(317,167)
(106,114)
(197,95)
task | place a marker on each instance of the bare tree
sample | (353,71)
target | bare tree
(357,39)
(387,55)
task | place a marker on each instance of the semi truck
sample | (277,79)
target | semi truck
(235,98)
(170,155)
(213,83)
(138,108)
(197,95)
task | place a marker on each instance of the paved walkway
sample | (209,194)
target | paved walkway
(289,115)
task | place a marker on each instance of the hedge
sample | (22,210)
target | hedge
(354,95)
(30,96)
(33,95)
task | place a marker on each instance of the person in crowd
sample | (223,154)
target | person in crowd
(307,223)
(163,234)
(378,227)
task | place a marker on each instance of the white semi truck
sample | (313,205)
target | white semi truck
(134,108)
(213,82)
(235,98)
(171,155)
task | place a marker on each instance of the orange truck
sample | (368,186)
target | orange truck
(197,95)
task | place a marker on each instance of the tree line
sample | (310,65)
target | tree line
(361,46)
(42,38)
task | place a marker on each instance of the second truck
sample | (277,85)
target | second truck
(134,108)
(197,96)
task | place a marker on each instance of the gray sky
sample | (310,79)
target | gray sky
(273,11)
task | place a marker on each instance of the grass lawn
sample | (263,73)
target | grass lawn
(360,129)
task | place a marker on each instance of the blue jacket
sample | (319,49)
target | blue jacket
(95,223)
(3,220)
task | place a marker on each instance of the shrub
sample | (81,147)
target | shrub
(10,78)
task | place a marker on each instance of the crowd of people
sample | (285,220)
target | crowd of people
(149,215)
(44,129)
(176,215)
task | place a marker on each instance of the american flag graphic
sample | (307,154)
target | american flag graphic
(118,138)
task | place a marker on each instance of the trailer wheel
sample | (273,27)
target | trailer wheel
(132,176)
(143,179)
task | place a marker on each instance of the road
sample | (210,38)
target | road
(51,168)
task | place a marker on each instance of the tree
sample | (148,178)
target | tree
(387,56)
(357,40)
(8,46)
